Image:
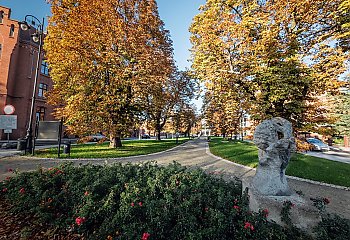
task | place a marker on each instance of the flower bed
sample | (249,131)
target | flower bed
(140,202)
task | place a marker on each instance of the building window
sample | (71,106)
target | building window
(1,16)
(12,30)
(40,114)
(0,50)
(44,68)
(42,90)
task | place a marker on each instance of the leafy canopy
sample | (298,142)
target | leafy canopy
(102,54)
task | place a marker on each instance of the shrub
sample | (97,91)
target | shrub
(139,202)
(333,227)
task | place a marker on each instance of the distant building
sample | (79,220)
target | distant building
(18,57)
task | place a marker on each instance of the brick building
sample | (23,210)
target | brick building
(18,58)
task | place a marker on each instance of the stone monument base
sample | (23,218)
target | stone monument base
(303,214)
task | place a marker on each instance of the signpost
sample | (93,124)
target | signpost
(9,109)
(48,131)
(8,121)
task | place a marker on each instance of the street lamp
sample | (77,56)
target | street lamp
(29,22)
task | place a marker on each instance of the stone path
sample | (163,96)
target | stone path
(195,154)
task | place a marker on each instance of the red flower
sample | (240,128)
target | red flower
(140,204)
(266,212)
(4,189)
(80,220)
(326,201)
(132,204)
(236,207)
(22,191)
(86,193)
(206,209)
(145,236)
(248,225)
(8,178)
(10,170)
(58,172)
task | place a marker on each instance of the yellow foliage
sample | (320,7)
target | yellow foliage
(105,56)
(274,58)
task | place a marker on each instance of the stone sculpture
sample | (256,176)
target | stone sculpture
(274,138)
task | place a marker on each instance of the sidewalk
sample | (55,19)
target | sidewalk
(196,154)
(339,156)
(8,152)
(345,149)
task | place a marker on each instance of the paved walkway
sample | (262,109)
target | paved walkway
(195,154)
(332,155)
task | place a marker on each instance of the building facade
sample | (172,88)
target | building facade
(18,59)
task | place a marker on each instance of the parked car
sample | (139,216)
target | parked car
(317,144)
(97,137)
(145,136)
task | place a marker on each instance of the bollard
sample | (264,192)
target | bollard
(66,148)
(21,144)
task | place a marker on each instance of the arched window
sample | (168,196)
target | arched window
(1,16)
(12,30)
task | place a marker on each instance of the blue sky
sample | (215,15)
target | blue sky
(176,14)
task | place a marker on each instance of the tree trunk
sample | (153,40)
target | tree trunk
(115,140)
(188,131)
(158,134)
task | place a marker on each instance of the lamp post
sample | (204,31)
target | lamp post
(29,22)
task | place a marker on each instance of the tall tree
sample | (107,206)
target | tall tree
(102,53)
(278,55)
(342,112)
(224,111)
(342,16)
(160,101)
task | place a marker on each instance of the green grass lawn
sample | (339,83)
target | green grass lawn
(301,165)
(130,148)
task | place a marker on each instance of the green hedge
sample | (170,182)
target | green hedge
(141,202)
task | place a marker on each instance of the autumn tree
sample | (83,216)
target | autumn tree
(160,101)
(188,118)
(341,111)
(224,108)
(278,56)
(342,16)
(183,119)
(102,53)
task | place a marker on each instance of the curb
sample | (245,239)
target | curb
(207,150)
